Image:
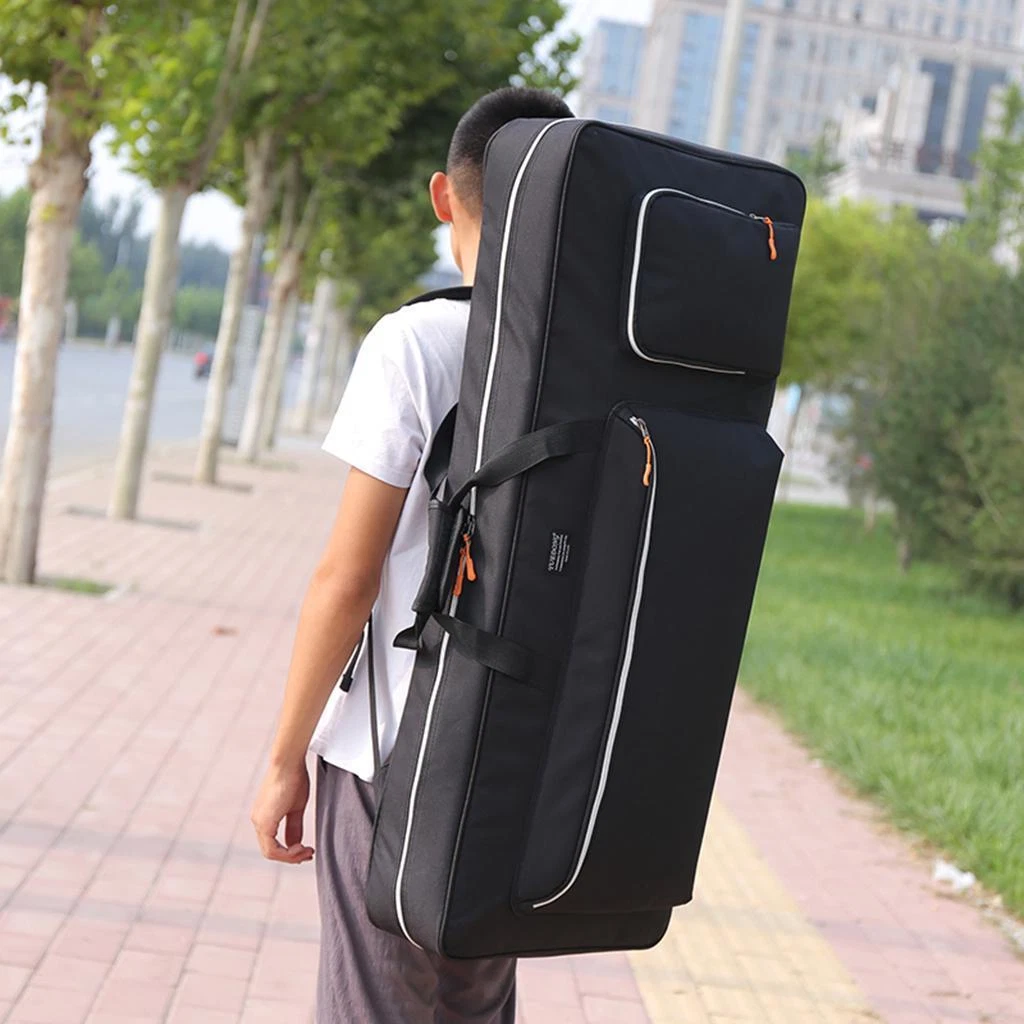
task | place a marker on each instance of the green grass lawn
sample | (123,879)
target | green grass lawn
(912,690)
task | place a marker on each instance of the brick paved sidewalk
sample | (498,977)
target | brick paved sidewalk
(132,732)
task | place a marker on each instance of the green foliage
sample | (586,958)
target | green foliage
(13,221)
(995,200)
(119,298)
(175,81)
(380,226)
(72,49)
(838,291)
(818,165)
(86,275)
(942,420)
(198,310)
(87,269)
(203,265)
(912,690)
(113,228)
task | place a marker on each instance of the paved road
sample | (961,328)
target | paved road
(92,382)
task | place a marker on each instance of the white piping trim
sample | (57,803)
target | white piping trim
(634,280)
(499,299)
(443,653)
(414,791)
(627,661)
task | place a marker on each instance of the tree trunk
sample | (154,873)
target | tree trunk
(275,397)
(158,292)
(346,346)
(320,326)
(905,554)
(57,180)
(332,350)
(285,279)
(260,195)
(790,444)
(70,320)
(113,332)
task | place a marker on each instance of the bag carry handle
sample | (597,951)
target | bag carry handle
(514,459)
(531,450)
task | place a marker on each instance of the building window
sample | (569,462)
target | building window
(695,76)
(929,158)
(983,81)
(960,28)
(745,79)
(621,52)
(937,25)
(858,12)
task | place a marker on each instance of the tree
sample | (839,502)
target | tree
(85,274)
(325,297)
(338,97)
(113,229)
(171,123)
(838,291)
(995,200)
(198,309)
(296,228)
(14,211)
(818,165)
(332,83)
(116,306)
(940,416)
(64,47)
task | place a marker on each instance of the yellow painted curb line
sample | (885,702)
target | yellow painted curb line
(743,951)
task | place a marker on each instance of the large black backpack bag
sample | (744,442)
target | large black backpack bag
(595,547)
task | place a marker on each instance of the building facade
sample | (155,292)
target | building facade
(611,72)
(803,62)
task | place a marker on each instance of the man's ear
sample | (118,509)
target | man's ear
(440,196)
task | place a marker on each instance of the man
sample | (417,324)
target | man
(404,382)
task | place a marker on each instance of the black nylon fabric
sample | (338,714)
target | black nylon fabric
(484,838)
(733,310)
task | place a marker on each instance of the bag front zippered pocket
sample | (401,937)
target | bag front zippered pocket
(649,481)
(677,525)
(709,284)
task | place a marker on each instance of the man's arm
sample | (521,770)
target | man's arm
(337,604)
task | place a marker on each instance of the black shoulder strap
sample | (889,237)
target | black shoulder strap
(435,468)
(459,293)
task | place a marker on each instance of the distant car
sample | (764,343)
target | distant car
(202,362)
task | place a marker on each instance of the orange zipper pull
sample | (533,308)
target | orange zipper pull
(467,570)
(648,444)
(771,238)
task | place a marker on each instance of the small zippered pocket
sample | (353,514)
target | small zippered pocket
(678,521)
(709,285)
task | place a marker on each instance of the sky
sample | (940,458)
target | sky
(213,217)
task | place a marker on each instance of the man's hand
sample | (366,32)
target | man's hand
(282,797)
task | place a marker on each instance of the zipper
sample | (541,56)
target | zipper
(649,480)
(465,558)
(467,569)
(773,254)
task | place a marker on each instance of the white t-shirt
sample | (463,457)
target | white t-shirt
(405,380)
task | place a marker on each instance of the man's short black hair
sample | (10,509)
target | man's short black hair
(480,122)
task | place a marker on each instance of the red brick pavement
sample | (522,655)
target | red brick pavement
(919,957)
(132,732)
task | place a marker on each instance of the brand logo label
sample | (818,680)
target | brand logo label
(558,557)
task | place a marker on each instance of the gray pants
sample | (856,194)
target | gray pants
(372,977)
